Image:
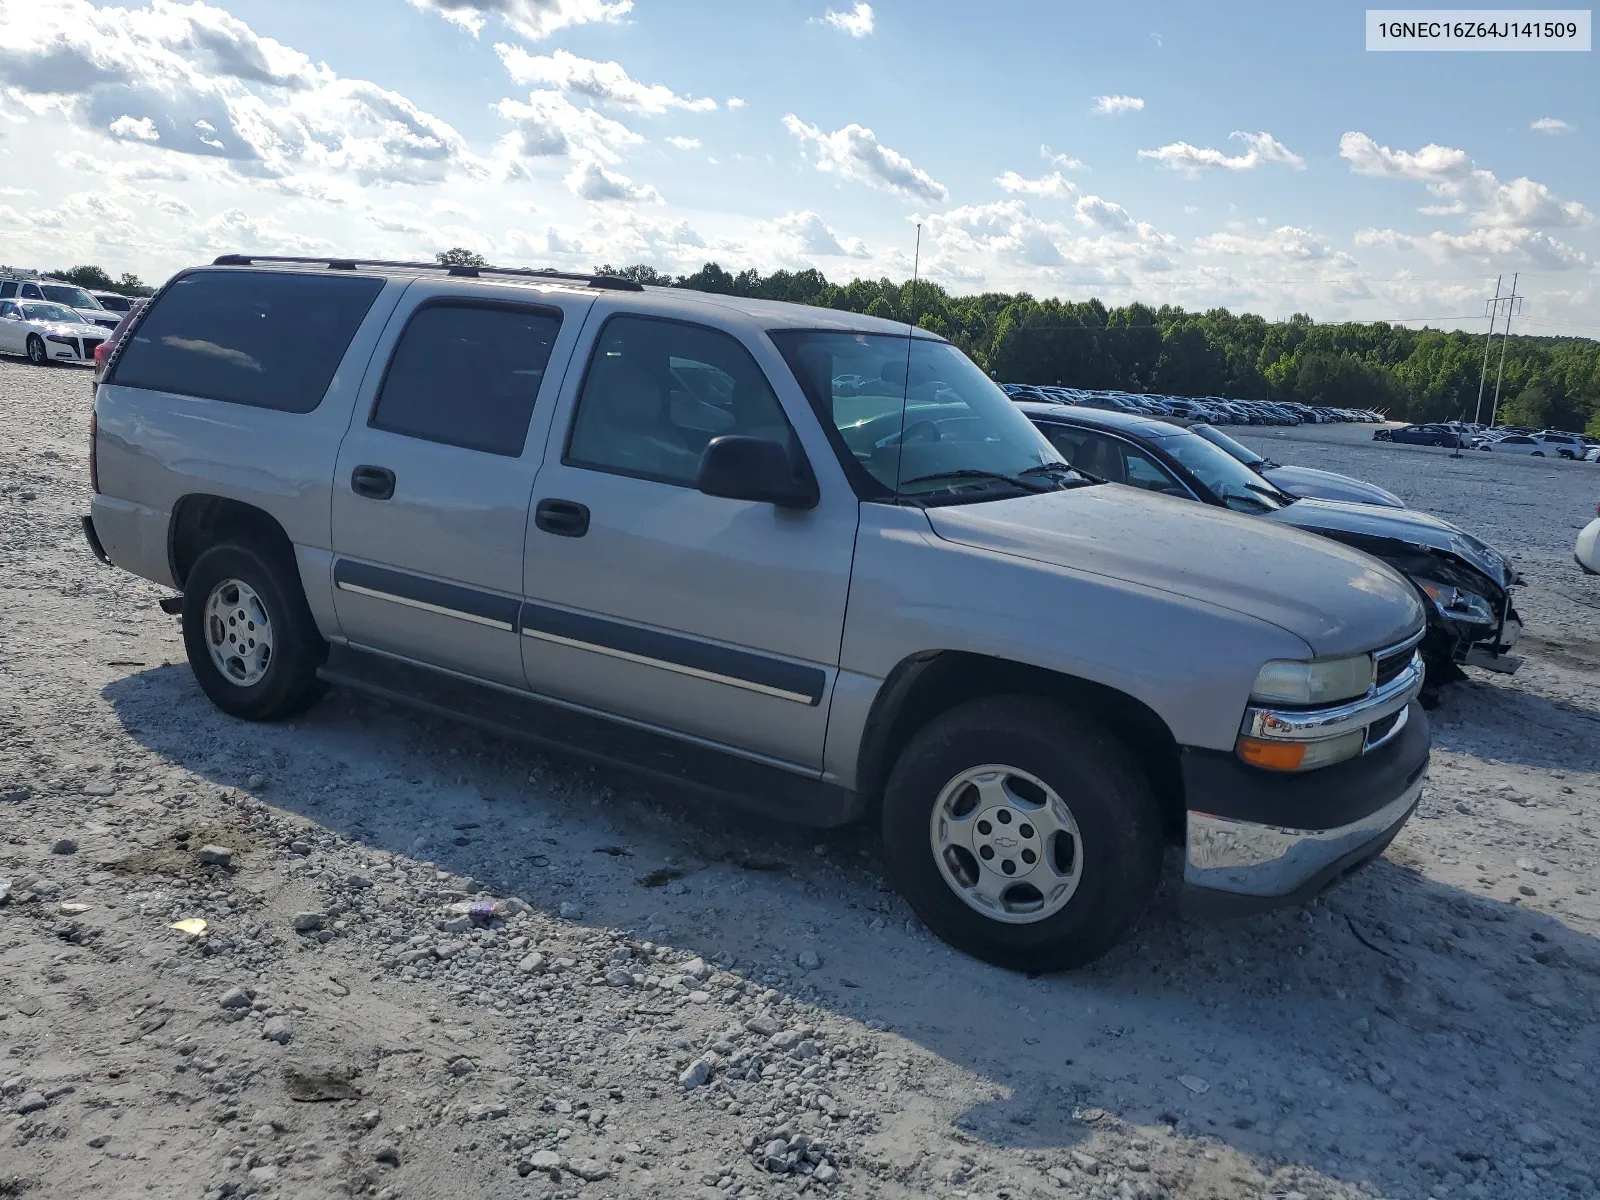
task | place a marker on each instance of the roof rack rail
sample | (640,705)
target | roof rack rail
(613,282)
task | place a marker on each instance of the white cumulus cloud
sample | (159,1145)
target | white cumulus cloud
(858,22)
(1485,245)
(602,82)
(137,129)
(854,152)
(1550,125)
(536,19)
(1259,148)
(1110,106)
(1063,161)
(801,235)
(549,125)
(1053,185)
(593,182)
(195,80)
(1464,187)
(1285,242)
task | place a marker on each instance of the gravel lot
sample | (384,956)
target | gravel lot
(673,1001)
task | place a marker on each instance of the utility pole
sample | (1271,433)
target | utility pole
(1493,307)
(1512,302)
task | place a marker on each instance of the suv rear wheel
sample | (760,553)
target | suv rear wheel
(1022,833)
(251,640)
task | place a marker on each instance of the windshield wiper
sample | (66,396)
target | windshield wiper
(1063,472)
(1026,485)
(1283,499)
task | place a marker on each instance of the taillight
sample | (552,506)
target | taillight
(94,460)
(100,360)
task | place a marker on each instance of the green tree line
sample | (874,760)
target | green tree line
(1410,374)
(99,280)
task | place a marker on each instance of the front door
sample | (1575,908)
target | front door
(712,617)
(430,499)
(13,333)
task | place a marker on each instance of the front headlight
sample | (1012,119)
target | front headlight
(1458,604)
(56,337)
(1284,681)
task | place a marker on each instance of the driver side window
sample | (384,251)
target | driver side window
(658,391)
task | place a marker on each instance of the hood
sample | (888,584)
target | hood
(1329,485)
(1336,599)
(67,328)
(1402,525)
(98,316)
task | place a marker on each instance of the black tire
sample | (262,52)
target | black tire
(289,684)
(1118,823)
(1537,454)
(37,354)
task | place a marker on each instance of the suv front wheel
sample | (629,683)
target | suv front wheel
(252,642)
(1022,833)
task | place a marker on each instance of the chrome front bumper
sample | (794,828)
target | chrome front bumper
(1265,866)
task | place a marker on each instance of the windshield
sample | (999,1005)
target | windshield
(1227,445)
(1235,484)
(959,437)
(73,297)
(35,310)
(115,303)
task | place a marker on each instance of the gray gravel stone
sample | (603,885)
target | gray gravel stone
(31,1102)
(1535,1136)
(310,922)
(697,1075)
(237,997)
(808,960)
(215,856)
(278,1029)
(64,846)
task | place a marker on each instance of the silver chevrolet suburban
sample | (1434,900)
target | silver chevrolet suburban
(725,541)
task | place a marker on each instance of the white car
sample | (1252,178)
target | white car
(1587,552)
(1563,445)
(1520,443)
(1593,455)
(47,332)
(56,292)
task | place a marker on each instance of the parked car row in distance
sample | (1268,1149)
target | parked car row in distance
(1215,409)
(1503,439)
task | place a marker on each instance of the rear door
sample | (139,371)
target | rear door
(431,490)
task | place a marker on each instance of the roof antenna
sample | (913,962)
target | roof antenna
(905,393)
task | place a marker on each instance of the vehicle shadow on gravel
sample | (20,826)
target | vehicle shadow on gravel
(1387,1032)
(1505,723)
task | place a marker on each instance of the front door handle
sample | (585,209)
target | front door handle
(564,518)
(375,483)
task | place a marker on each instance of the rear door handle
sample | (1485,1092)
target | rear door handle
(375,483)
(564,518)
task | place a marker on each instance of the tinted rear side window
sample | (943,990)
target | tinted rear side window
(468,375)
(267,339)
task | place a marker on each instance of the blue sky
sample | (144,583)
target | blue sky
(1249,155)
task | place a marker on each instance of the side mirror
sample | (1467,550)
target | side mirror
(746,468)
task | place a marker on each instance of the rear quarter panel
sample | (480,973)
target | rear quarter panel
(154,448)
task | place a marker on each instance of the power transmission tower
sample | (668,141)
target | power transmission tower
(1513,305)
(1493,309)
